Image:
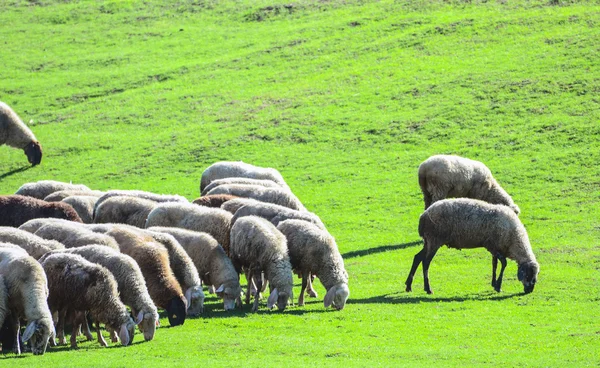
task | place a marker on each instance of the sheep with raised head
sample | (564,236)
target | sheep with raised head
(77,285)
(275,214)
(211,261)
(216,200)
(280,196)
(63,194)
(447,176)
(83,205)
(15,210)
(27,289)
(257,246)
(465,223)
(214,221)
(41,189)
(34,245)
(246,181)
(228,169)
(71,235)
(130,283)
(14,133)
(124,210)
(235,204)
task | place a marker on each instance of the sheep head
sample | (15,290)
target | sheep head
(34,152)
(195,298)
(230,295)
(527,274)
(337,296)
(39,332)
(176,310)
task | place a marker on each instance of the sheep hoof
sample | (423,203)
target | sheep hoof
(313,294)
(497,289)
(429,292)
(408,289)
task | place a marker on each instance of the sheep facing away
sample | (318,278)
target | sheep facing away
(280,196)
(41,189)
(275,214)
(313,251)
(216,200)
(63,194)
(228,169)
(235,204)
(212,263)
(72,235)
(27,289)
(14,133)
(77,285)
(246,181)
(32,244)
(159,198)
(83,205)
(257,246)
(446,176)
(124,210)
(464,223)
(15,210)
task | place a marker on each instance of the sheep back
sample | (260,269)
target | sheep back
(227,169)
(34,245)
(124,210)
(15,210)
(280,196)
(41,189)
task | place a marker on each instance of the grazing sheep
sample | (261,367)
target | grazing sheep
(235,204)
(280,196)
(63,194)
(160,198)
(77,285)
(27,289)
(15,210)
(73,235)
(14,133)
(216,200)
(83,205)
(313,251)
(153,260)
(214,221)
(228,169)
(275,214)
(245,181)
(41,189)
(212,263)
(446,176)
(3,301)
(469,223)
(257,246)
(124,210)
(130,283)
(32,244)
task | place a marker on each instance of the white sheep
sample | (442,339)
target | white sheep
(62,194)
(70,234)
(124,210)
(160,198)
(41,189)
(246,181)
(313,251)
(32,244)
(235,204)
(14,133)
(83,205)
(257,246)
(276,213)
(27,289)
(213,265)
(215,221)
(3,301)
(228,169)
(280,196)
(464,223)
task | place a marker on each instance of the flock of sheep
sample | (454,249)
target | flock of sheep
(69,253)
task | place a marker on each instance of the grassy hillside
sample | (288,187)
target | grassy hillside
(345,98)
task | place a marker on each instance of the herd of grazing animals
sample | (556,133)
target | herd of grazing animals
(69,253)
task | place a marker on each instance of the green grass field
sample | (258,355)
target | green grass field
(345,98)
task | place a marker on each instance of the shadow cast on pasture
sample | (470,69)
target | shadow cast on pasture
(406,298)
(380,249)
(15,171)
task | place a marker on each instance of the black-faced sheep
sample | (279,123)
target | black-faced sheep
(212,263)
(124,210)
(313,251)
(469,223)
(215,201)
(246,181)
(280,196)
(14,133)
(77,285)
(32,244)
(257,246)
(41,189)
(27,289)
(15,210)
(228,169)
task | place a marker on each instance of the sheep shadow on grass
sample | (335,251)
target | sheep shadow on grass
(405,298)
(380,249)
(15,171)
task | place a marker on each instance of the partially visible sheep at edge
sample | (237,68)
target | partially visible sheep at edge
(124,210)
(465,223)
(280,196)
(228,169)
(247,181)
(34,245)
(72,235)
(447,176)
(159,198)
(214,221)
(27,289)
(130,281)
(211,261)
(214,201)
(15,210)
(257,246)
(313,251)
(235,204)
(153,260)
(3,301)
(14,133)
(63,194)
(77,285)
(41,189)
(83,205)
(275,214)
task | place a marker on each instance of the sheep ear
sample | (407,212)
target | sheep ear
(272,299)
(220,289)
(328,300)
(521,273)
(139,318)
(157,323)
(188,297)
(124,335)
(31,327)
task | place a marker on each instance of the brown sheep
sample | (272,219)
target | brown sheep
(15,210)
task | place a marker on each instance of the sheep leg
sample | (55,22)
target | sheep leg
(75,323)
(426,263)
(256,298)
(16,325)
(100,337)
(416,261)
(304,284)
(60,327)
(494,267)
(311,291)
(86,327)
(250,283)
(498,286)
